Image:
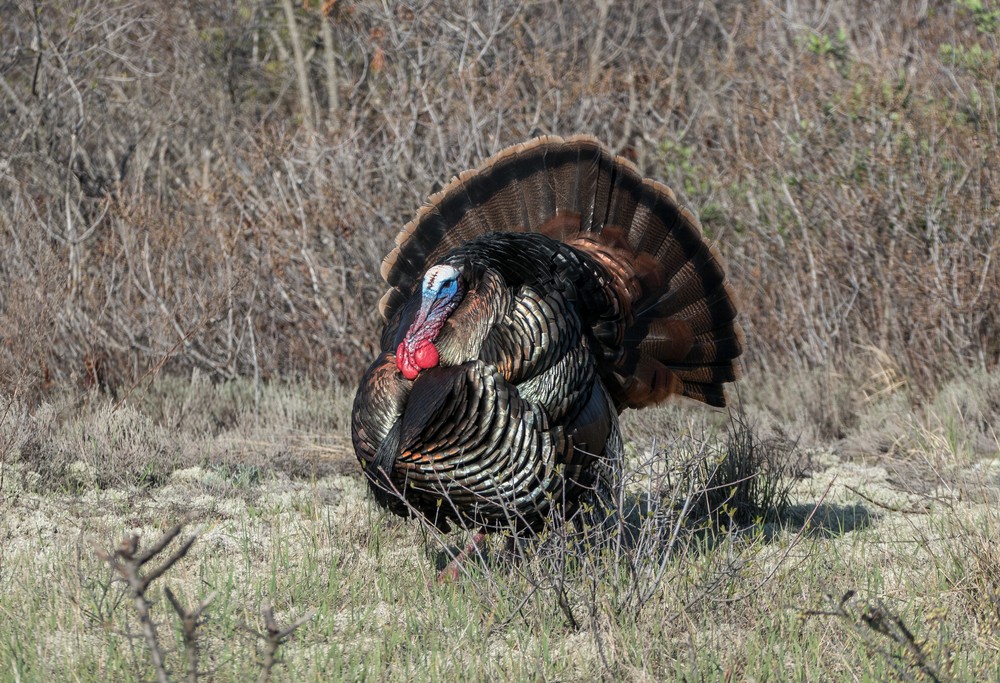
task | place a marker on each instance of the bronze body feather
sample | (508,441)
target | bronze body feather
(530,302)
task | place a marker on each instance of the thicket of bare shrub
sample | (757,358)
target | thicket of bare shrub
(205,184)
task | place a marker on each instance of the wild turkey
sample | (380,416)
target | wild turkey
(530,302)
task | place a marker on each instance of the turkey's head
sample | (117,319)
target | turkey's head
(441,293)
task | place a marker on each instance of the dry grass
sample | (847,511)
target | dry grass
(286,520)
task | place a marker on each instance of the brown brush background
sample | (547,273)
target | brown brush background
(207,185)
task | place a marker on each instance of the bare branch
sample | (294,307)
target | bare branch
(305,94)
(126,560)
(274,636)
(190,621)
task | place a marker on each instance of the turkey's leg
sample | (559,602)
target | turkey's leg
(450,573)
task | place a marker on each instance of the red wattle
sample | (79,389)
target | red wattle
(405,363)
(426,356)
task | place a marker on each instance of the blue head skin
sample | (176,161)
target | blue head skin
(440,284)
(441,293)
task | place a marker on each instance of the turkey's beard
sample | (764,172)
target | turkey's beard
(417,351)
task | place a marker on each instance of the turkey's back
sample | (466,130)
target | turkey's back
(589,290)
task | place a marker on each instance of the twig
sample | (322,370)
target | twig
(190,621)
(305,99)
(877,618)
(330,62)
(126,561)
(884,506)
(274,636)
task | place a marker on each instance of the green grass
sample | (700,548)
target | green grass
(285,520)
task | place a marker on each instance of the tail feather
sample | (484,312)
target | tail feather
(713,346)
(535,192)
(706,374)
(679,334)
(712,394)
(624,183)
(657,219)
(702,310)
(666,340)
